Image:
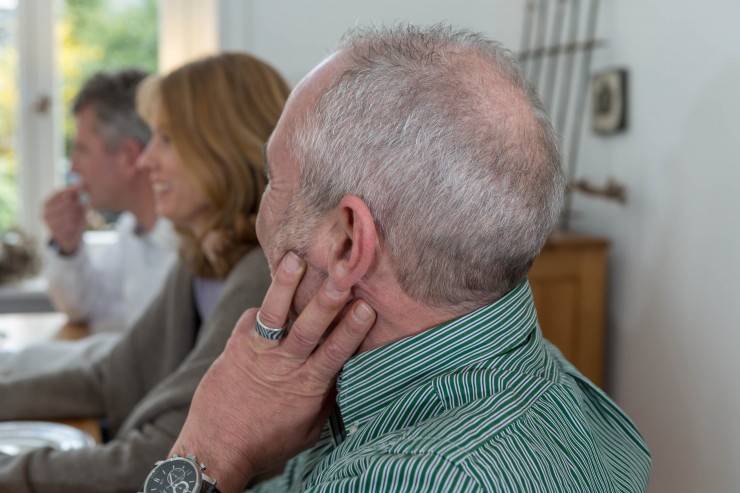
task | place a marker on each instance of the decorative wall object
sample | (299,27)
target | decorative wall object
(558,41)
(609,101)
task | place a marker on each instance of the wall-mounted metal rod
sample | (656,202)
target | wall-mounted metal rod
(540,43)
(527,32)
(552,65)
(566,48)
(575,135)
(565,85)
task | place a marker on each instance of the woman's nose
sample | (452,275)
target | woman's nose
(144,161)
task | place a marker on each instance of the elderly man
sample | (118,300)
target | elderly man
(414,177)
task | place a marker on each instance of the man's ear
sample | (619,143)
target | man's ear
(129,153)
(353,243)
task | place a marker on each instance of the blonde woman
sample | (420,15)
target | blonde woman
(209,120)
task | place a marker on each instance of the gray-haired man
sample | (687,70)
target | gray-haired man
(414,177)
(109,289)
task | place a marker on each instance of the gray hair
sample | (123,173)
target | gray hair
(113,97)
(450,148)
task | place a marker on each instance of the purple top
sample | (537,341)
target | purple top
(206,292)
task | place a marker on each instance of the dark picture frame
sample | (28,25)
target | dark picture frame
(609,101)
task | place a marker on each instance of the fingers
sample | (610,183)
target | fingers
(65,196)
(64,205)
(245,325)
(313,322)
(319,321)
(65,218)
(279,297)
(344,341)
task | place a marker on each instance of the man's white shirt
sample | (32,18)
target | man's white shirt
(111,288)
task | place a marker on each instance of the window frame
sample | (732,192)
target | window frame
(39,112)
(39,135)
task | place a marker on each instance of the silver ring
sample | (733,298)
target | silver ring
(268,332)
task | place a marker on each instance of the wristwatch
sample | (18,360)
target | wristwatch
(179,475)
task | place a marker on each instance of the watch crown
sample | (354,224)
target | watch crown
(202,467)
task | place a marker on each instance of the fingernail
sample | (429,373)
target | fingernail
(362,312)
(292,263)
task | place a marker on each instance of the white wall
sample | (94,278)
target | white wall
(294,35)
(674,320)
(188,29)
(675,262)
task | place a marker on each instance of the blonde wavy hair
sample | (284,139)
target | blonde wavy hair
(221,110)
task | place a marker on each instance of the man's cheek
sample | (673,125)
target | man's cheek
(307,289)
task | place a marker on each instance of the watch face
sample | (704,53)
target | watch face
(176,475)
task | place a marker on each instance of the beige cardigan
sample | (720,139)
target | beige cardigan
(142,388)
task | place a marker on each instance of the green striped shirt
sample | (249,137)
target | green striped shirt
(479,404)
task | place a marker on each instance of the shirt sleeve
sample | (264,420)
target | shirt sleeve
(74,392)
(118,466)
(84,288)
(393,473)
(67,277)
(112,388)
(144,387)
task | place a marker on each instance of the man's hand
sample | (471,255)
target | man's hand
(65,217)
(263,401)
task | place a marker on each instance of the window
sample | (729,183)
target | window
(8,117)
(47,50)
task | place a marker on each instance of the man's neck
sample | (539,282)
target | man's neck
(145,221)
(399,316)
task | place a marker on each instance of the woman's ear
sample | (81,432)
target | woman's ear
(353,243)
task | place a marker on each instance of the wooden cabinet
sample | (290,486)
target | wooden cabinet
(568,280)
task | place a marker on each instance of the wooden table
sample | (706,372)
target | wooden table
(19,330)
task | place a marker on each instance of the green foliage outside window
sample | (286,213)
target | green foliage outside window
(104,35)
(92,35)
(8,97)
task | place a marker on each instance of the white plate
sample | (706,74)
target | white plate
(17,437)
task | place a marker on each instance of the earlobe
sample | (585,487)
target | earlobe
(353,244)
(131,150)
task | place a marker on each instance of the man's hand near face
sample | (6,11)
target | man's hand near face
(263,401)
(65,217)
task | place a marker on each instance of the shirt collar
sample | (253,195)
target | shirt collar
(163,234)
(372,380)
